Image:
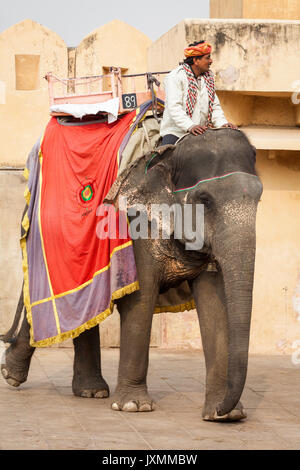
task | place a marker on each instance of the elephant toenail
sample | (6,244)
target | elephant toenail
(131,406)
(13,382)
(4,372)
(220,418)
(237,414)
(145,407)
(101,394)
(115,406)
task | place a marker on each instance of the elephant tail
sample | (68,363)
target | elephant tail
(10,335)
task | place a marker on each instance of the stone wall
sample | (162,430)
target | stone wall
(114,44)
(248,55)
(12,186)
(265,9)
(28,51)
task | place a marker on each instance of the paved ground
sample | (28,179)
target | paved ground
(43,413)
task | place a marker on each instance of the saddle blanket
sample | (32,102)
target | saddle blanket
(71,276)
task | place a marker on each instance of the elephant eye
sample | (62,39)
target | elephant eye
(202,197)
(207,202)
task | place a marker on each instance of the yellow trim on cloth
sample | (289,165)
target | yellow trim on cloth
(27,196)
(26,296)
(26,173)
(43,249)
(26,224)
(90,323)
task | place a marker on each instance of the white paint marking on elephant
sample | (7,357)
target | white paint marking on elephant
(239,213)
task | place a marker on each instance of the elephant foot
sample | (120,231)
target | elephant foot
(237,414)
(90,388)
(132,400)
(14,371)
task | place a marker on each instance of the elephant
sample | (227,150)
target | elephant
(217,170)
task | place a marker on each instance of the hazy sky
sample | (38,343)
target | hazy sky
(74,19)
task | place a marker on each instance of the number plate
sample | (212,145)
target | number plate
(129,100)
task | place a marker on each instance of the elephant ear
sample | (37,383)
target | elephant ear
(147,180)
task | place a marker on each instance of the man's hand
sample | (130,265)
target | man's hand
(197,129)
(230,125)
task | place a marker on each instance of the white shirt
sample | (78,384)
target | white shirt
(175,120)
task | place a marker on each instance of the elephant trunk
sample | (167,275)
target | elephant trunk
(236,259)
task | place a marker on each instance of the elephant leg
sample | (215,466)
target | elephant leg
(87,379)
(209,295)
(16,360)
(136,312)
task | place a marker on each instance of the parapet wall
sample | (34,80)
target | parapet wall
(255,62)
(28,51)
(114,44)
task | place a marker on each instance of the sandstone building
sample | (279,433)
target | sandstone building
(256,63)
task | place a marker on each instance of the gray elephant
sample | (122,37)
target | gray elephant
(217,170)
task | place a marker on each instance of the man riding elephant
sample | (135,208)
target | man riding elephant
(191,103)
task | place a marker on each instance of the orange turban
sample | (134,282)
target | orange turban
(200,49)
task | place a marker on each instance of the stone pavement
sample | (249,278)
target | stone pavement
(43,413)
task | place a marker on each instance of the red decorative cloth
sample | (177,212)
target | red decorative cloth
(79,166)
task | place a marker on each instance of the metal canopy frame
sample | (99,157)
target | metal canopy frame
(89,90)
